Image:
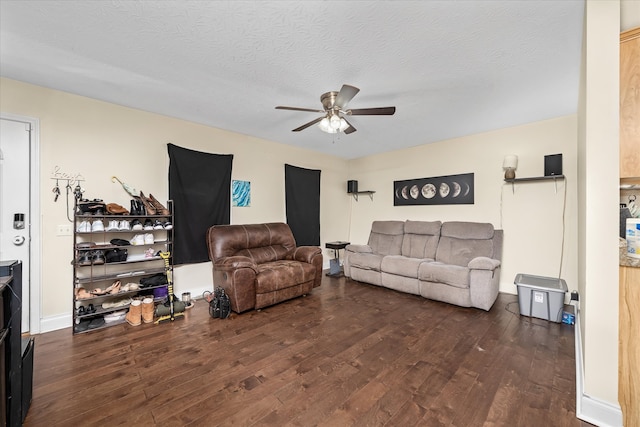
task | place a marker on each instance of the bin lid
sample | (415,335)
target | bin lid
(551,283)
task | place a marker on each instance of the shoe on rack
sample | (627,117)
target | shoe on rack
(136,225)
(137,240)
(81,293)
(124,225)
(160,209)
(82,325)
(113,225)
(157,225)
(84,227)
(98,258)
(97,225)
(114,288)
(96,322)
(85,258)
(167,225)
(148,239)
(130,287)
(151,210)
(148,225)
(141,207)
(115,303)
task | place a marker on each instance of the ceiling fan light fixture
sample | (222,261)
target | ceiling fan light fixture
(334,121)
(325,126)
(334,124)
(334,103)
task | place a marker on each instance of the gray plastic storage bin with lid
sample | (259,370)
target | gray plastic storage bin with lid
(541,297)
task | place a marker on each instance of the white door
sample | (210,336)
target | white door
(15,217)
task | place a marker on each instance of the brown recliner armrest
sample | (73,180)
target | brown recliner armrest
(311,255)
(306,253)
(237,275)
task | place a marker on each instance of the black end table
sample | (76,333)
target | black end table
(335,269)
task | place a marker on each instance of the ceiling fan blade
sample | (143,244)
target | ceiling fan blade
(382,111)
(306,125)
(280,107)
(350,129)
(345,95)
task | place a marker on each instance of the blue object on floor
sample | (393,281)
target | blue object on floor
(568,318)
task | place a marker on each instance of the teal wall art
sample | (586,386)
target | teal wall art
(241,193)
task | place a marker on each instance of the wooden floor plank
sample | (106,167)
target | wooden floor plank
(348,354)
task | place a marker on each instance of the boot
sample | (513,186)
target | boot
(134,208)
(147,204)
(147,310)
(135,313)
(160,209)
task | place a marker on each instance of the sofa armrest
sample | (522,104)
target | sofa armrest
(306,253)
(359,249)
(484,282)
(311,255)
(483,263)
(237,275)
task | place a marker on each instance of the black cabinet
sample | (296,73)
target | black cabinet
(17,353)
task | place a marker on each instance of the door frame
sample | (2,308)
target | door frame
(35,242)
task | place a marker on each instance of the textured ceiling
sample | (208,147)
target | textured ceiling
(451,68)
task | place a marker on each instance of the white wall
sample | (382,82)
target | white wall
(531,214)
(83,136)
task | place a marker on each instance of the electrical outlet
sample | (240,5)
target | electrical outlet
(64,230)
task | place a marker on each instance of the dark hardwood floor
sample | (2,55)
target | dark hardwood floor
(347,354)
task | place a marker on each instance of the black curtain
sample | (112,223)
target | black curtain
(302,193)
(200,187)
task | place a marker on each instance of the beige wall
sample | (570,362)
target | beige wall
(531,214)
(98,140)
(598,199)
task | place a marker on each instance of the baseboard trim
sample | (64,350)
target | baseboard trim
(591,409)
(54,323)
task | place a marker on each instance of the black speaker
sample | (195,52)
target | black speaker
(352,186)
(553,164)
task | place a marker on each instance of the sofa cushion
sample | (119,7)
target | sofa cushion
(273,276)
(366,261)
(401,265)
(260,242)
(467,230)
(452,275)
(386,237)
(421,239)
(460,242)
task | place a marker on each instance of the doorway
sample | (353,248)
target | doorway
(20,209)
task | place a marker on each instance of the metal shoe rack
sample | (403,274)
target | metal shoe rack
(100,275)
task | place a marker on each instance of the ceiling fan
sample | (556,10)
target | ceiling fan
(334,104)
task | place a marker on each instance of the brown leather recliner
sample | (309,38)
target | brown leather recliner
(259,265)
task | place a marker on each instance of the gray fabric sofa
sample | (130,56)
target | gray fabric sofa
(454,262)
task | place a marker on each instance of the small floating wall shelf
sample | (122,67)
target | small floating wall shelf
(555,179)
(535,178)
(370,193)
